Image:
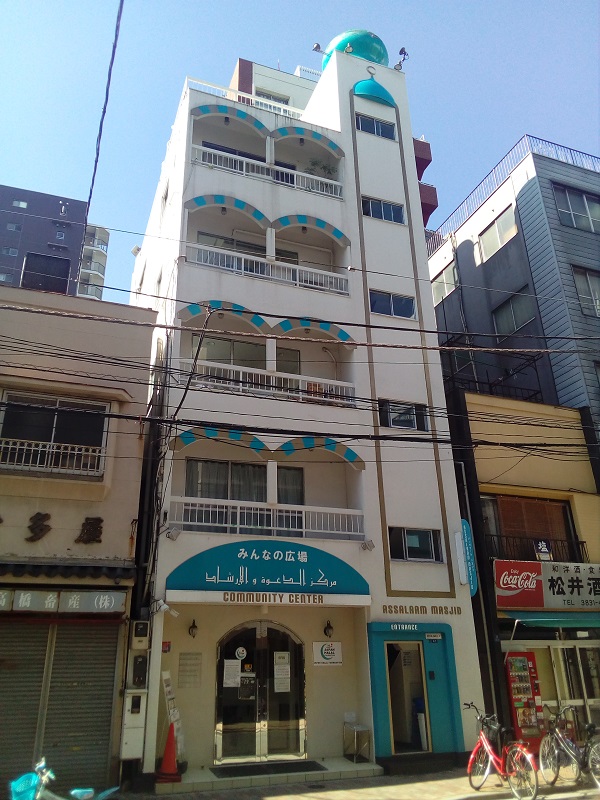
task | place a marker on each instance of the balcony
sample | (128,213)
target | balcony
(259,382)
(89,290)
(279,272)
(93,266)
(258,169)
(201,515)
(522,548)
(99,244)
(226,92)
(63,459)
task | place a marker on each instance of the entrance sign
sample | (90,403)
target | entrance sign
(327,654)
(272,568)
(547,585)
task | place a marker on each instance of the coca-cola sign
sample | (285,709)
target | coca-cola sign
(518,584)
(547,585)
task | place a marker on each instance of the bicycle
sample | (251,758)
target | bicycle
(514,763)
(558,752)
(34,786)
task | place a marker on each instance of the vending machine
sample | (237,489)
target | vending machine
(524,698)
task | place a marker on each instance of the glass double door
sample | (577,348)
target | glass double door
(260,713)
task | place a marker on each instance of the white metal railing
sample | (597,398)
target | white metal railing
(93,266)
(246,99)
(69,459)
(209,374)
(99,243)
(90,290)
(258,169)
(278,271)
(203,515)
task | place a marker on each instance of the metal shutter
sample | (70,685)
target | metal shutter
(77,737)
(22,660)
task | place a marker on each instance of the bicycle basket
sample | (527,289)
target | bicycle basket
(25,787)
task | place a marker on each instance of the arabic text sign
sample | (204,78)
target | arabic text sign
(547,585)
(259,566)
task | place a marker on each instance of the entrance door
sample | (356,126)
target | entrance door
(407,696)
(260,695)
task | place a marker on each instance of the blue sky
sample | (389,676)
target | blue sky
(481,74)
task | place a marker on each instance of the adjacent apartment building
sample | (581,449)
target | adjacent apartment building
(73,393)
(46,245)
(307,529)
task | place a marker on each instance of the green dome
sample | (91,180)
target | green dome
(371,90)
(364,45)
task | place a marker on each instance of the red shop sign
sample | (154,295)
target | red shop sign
(518,584)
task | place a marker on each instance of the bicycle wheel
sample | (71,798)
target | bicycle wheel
(594,762)
(479,768)
(569,768)
(521,773)
(549,759)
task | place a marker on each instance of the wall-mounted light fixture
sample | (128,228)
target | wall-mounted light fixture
(223,210)
(368,544)
(328,630)
(304,229)
(193,629)
(301,140)
(226,120)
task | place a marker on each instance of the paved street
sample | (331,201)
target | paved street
(449,785)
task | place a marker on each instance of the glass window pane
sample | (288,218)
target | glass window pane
(366,123)
(387,130)
(439,290)
(503,319)
(288,360)
(577,202)
(588,289)
(206,479)
(249,482)
(380,302)
(583,223)
(590,666)
(402,416)
(566,218)
(377,209)
(396,536)
(403,306)
(290,485)
(76,425)
(561,198)
(419,544)
(489,241)
(30,424)
(366,206)
(593,204)
(212,349)
(506,225)
(523,309)
(397,214)
(387,212)
(248,354)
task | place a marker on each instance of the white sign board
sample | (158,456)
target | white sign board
(231,673)
(327,654)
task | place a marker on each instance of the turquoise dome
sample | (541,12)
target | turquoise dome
(364,45)
(371,90)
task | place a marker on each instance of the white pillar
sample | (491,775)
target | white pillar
(271,354)
(270,242)
(272,482)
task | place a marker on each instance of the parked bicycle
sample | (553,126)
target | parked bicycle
(510,759)
(34,786)
(560,754)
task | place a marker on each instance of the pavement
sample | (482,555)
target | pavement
(449,785)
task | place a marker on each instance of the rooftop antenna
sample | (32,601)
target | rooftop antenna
(403,57)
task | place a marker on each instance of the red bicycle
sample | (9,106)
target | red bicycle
(512,761)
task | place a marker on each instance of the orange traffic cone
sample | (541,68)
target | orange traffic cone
(168,769)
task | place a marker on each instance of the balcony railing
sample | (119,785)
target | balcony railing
(201,515)
(522,548)
(67,459)
(99,243)
(93,266)
(258,169)
(246,99)
(277,271)
(260,382)
(89,290)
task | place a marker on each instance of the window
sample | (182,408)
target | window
(251,248)
(498,233)
(5,278)
(446,282)
(224,480)
(578,209)
(394,305)
(514,313)
(387,130)
(588,289)
(60,235)
(290,486)
(393,414)
(14,226)
(54,434)
(9,251)
(381,209)
(415,544)
(276,98)
(19,203)
(245,354)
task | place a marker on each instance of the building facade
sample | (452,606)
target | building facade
(43,246)
(73,391)
(307,529)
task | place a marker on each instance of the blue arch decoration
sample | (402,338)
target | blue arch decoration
(295,323)
(264,565)
(297,131)
(225,436)
(322,442)
(297,220)
(198,309)
(215,109)
(207,200)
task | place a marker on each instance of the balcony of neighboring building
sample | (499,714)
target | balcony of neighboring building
(292,157)
(233,483)
(240,355)
(231,236)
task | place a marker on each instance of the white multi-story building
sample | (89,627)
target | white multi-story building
(92,271)
(309,522)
